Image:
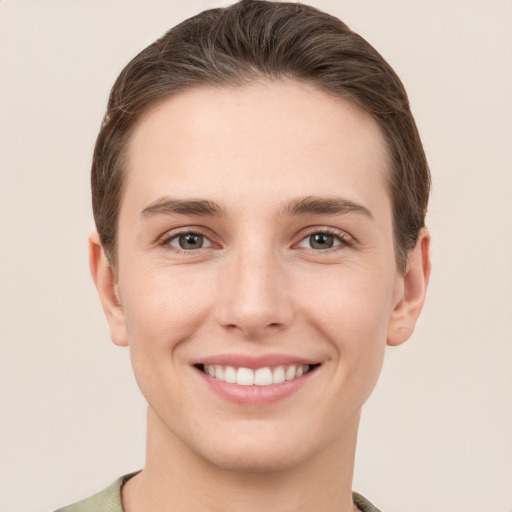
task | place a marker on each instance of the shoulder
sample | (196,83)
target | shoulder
(363,504)
(108,500)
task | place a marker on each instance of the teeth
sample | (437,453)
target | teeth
(219,372)
(229,375)
(245,377)
(260,377)
(278,375)
(263,377)
(290,373)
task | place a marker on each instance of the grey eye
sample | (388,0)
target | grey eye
(189,241)
(321,241)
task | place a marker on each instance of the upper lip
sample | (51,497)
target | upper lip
(254,362)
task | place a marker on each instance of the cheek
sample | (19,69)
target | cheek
(162,308)
(162,313)
(352,311)
(352,305)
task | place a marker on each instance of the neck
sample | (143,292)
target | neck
(175,479)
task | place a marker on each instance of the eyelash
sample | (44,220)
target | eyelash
(344,240)
(166,240)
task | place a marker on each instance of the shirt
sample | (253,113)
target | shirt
(109,500)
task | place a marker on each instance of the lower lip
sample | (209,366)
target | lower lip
(255,395)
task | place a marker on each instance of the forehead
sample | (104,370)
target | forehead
(266,140)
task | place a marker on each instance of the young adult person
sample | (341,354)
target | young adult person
(259,190)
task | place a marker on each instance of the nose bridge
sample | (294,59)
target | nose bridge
(255,295)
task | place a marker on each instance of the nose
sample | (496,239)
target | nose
(254,299)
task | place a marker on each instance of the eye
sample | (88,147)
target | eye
(189,241)
(323,241)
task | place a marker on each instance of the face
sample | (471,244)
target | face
(256,283)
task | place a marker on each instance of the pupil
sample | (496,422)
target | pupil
(191,241)
(321,241)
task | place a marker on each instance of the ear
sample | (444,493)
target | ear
(411,289)
(108,290)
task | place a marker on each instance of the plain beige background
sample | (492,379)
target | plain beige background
(436,434)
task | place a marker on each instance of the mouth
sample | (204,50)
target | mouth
(264,376)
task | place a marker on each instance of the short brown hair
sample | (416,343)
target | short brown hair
(247,41)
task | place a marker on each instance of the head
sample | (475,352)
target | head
(259,189)
(254,40)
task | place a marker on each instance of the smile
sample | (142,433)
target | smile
(264,376)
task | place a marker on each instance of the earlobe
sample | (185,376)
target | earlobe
(103,277)
(412,291)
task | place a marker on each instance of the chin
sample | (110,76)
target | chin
(253,459)
(263,446)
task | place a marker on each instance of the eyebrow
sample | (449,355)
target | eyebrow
(307,205)
(331,205)
(169,206)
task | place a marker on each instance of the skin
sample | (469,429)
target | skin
(256,287)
